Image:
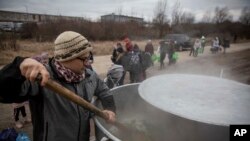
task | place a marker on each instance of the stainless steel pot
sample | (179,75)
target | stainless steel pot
(131,109)
(162,123)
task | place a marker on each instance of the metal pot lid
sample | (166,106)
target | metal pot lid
(200,98)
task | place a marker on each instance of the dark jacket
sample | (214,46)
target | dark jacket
(149,48)
(54,118)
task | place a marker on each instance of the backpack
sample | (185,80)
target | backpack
(134,64)
(8,134)
(146,60)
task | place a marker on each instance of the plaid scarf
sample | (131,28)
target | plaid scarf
(67,74)
(42,58)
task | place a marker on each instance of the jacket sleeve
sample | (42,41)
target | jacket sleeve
(102,92)
(11,82)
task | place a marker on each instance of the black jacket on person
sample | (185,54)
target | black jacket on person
(149,48)
(54,118)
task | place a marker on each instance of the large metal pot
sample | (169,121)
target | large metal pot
(167,123)
(133,110)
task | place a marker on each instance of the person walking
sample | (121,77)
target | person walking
(119,63)
(149,49)
(115,52)
(171,51)
(215,45)
(192,51)
(20,108)
(163,51)
(196,47)
(135,65)
(203,43)
(225,44)
(55,118)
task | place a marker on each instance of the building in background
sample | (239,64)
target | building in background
(121,18)
(9,16)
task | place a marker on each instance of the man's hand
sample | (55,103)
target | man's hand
(111,116)
(30,68)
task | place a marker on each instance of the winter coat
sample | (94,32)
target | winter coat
(216,43)
(54,118)
(149,48)
(197,45)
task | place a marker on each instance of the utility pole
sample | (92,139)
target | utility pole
(26,8)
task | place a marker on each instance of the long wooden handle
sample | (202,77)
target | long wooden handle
(59,89)
(56,87)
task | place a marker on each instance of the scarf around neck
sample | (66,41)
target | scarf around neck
(67,74)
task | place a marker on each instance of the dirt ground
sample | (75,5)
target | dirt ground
(234,65)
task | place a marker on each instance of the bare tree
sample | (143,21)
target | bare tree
(160,16)
(245,16)
(176,13)
(222,15)
(206,17)
(187,18)
(133,12)
(119,10)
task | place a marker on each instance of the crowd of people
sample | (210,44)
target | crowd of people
(216,46)
(133,60)
(136,60)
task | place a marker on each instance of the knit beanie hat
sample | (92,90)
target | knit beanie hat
(70,45)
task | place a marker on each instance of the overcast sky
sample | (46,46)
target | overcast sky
(93,9)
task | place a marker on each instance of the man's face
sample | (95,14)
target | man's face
(78,64)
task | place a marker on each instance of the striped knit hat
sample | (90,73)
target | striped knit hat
(70,45)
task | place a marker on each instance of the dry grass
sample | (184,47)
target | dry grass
(29,48)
